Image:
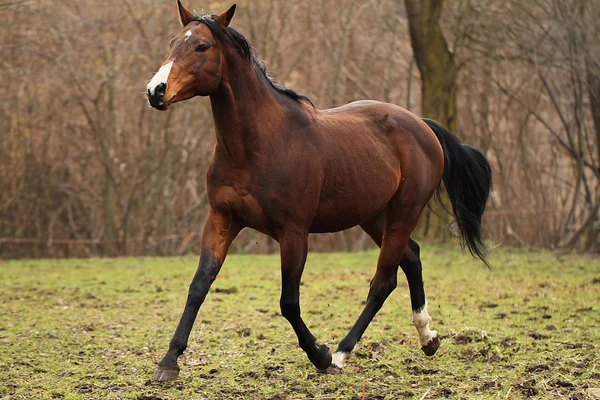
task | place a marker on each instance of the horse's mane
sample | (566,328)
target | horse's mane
(243,46)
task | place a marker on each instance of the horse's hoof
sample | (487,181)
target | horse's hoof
(164,374)
(431,347)
(324,358)
(332,370)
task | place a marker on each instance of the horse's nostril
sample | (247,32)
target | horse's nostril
(160,90)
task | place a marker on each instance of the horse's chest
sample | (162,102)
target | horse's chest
(269,196)
(249,207)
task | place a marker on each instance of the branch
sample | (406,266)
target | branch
(588,222)
(560,140)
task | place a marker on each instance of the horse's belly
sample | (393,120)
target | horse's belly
(339,222)
(349,207)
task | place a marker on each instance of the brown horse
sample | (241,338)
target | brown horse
(286,169)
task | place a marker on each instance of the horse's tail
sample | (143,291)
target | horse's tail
(467,179)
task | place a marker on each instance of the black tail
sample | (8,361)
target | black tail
(468,180)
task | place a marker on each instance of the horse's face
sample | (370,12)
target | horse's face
(193,67)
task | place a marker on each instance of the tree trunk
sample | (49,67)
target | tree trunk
(439,76)
(435,61)
(110,228)
(593,81)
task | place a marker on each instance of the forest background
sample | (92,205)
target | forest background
(88,169)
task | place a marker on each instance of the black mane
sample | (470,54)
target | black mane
(233,36)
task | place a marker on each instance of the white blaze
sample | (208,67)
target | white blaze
(160,77)
(421,320)
(188,34)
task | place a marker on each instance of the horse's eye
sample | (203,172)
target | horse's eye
(202,47)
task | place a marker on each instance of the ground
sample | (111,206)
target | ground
(95,329)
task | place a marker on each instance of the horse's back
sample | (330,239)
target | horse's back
(384,117)
(407,137)
(370,150)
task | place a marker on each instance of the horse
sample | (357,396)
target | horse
(284,168)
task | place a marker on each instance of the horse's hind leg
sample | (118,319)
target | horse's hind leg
(393,243)
(411,265)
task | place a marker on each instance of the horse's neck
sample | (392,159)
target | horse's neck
(244,111)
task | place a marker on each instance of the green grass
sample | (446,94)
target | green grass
(95,329)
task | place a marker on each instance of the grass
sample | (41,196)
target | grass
(95,329)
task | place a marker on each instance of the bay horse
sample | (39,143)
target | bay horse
(286,169)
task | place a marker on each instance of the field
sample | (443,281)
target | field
(95,329)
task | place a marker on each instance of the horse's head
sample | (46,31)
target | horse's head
(194,65)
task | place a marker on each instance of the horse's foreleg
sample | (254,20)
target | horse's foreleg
(294,247)
(219,232)
(411,265)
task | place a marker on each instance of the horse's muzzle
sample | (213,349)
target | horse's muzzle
(156,99)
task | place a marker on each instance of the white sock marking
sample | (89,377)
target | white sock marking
(160,77)
(338,358)
(421,320)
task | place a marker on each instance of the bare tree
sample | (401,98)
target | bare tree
(439,73)
(88,169)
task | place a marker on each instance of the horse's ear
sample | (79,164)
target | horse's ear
(185,15)
(225,18)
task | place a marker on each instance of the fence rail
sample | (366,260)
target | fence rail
(49,242)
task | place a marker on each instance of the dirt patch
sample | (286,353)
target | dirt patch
(271,371)
(244,332)
(562,384)
(528,388)
(418,370)
(488,305)
(445,392)
(537,367)
(487,384)
(537,336)
(230,290)
(85,387)
(462,339)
